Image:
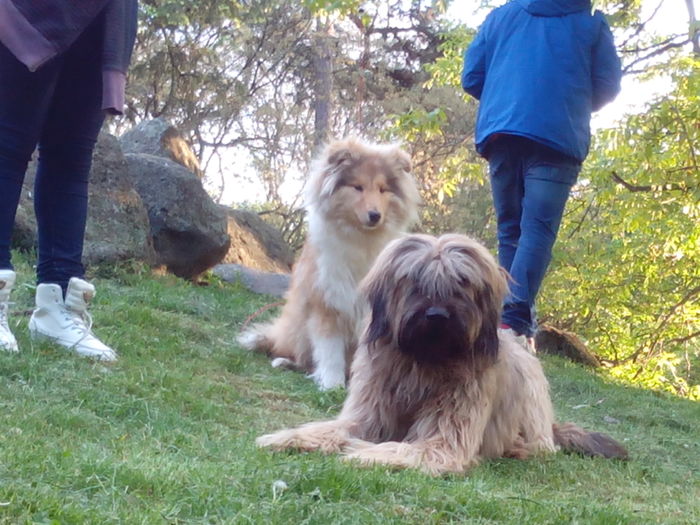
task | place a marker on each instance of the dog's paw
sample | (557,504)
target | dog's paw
(283,362)
(328,380)
(276,441)
(304,439)
(249,339)
(363,452)
(357,458)
(390,453)
(368,458)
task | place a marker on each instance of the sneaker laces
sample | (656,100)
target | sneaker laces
(81,322)
(4,313)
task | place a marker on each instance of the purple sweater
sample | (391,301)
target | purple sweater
(36,31)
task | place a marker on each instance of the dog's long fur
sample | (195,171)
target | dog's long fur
(435,385)
(359,196)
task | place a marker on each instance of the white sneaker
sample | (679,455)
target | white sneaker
(67,322)
(7,339)
(528,343)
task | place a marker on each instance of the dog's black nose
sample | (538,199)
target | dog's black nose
(374,217)
(435,313)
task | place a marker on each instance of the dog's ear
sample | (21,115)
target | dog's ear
(379,327)
(403,160)
(403,184)
(338,159)
(487,340)
(326,170)
(490,303)
(339,153)
(503,281)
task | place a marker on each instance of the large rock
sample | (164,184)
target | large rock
(189,230)
(551,340)
(256,244)
(158,137)
(24,230)
(117,224)
(269,283)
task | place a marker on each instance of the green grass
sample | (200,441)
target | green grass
(167,434)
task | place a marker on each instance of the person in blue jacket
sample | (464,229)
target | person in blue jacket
(539,69)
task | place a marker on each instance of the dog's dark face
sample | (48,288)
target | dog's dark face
(434,330)
(436,300)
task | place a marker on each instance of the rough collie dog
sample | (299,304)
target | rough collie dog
(435,385)
(359,196)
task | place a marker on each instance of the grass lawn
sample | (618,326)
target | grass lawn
(167,434)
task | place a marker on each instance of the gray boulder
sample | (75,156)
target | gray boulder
(158,137)
(118,226)
(189,230)
(268,283)
(24,230)
(256,244)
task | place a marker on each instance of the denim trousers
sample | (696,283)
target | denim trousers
(530,184)
(58,109)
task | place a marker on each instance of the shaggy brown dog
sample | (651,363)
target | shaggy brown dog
(434,384)
(359,197)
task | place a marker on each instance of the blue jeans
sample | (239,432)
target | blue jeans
(530,185)
(57,108)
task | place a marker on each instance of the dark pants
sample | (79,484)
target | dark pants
(57,108)
(530,185)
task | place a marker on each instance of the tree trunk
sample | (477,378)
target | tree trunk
(323,83)
(693,27)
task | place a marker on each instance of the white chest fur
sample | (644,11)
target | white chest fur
(344,257)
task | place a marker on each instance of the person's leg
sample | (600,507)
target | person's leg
(65,157)
(61,199)
(507,187)
(548,180)
(24,102)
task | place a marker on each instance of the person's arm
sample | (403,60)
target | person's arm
(474,71)
(606,68)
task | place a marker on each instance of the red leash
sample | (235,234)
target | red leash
(260,311)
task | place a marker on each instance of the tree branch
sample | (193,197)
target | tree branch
(671,186)
(686,338)
(694,27)
(659,329)
(657,50)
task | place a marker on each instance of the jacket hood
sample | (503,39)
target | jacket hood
(554,7)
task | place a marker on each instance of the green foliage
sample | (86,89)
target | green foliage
(447,69)
(354,6)
(455,192)
(173,13)
(620,13)
(627,275)
(328,6)
(166,435)
(626,271)
(288,219)
(420,121)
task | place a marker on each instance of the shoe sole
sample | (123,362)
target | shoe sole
(36,335)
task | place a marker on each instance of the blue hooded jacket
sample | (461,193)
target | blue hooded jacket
(539,69)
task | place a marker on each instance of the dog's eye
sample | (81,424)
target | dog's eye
(383,190)
(358,187)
